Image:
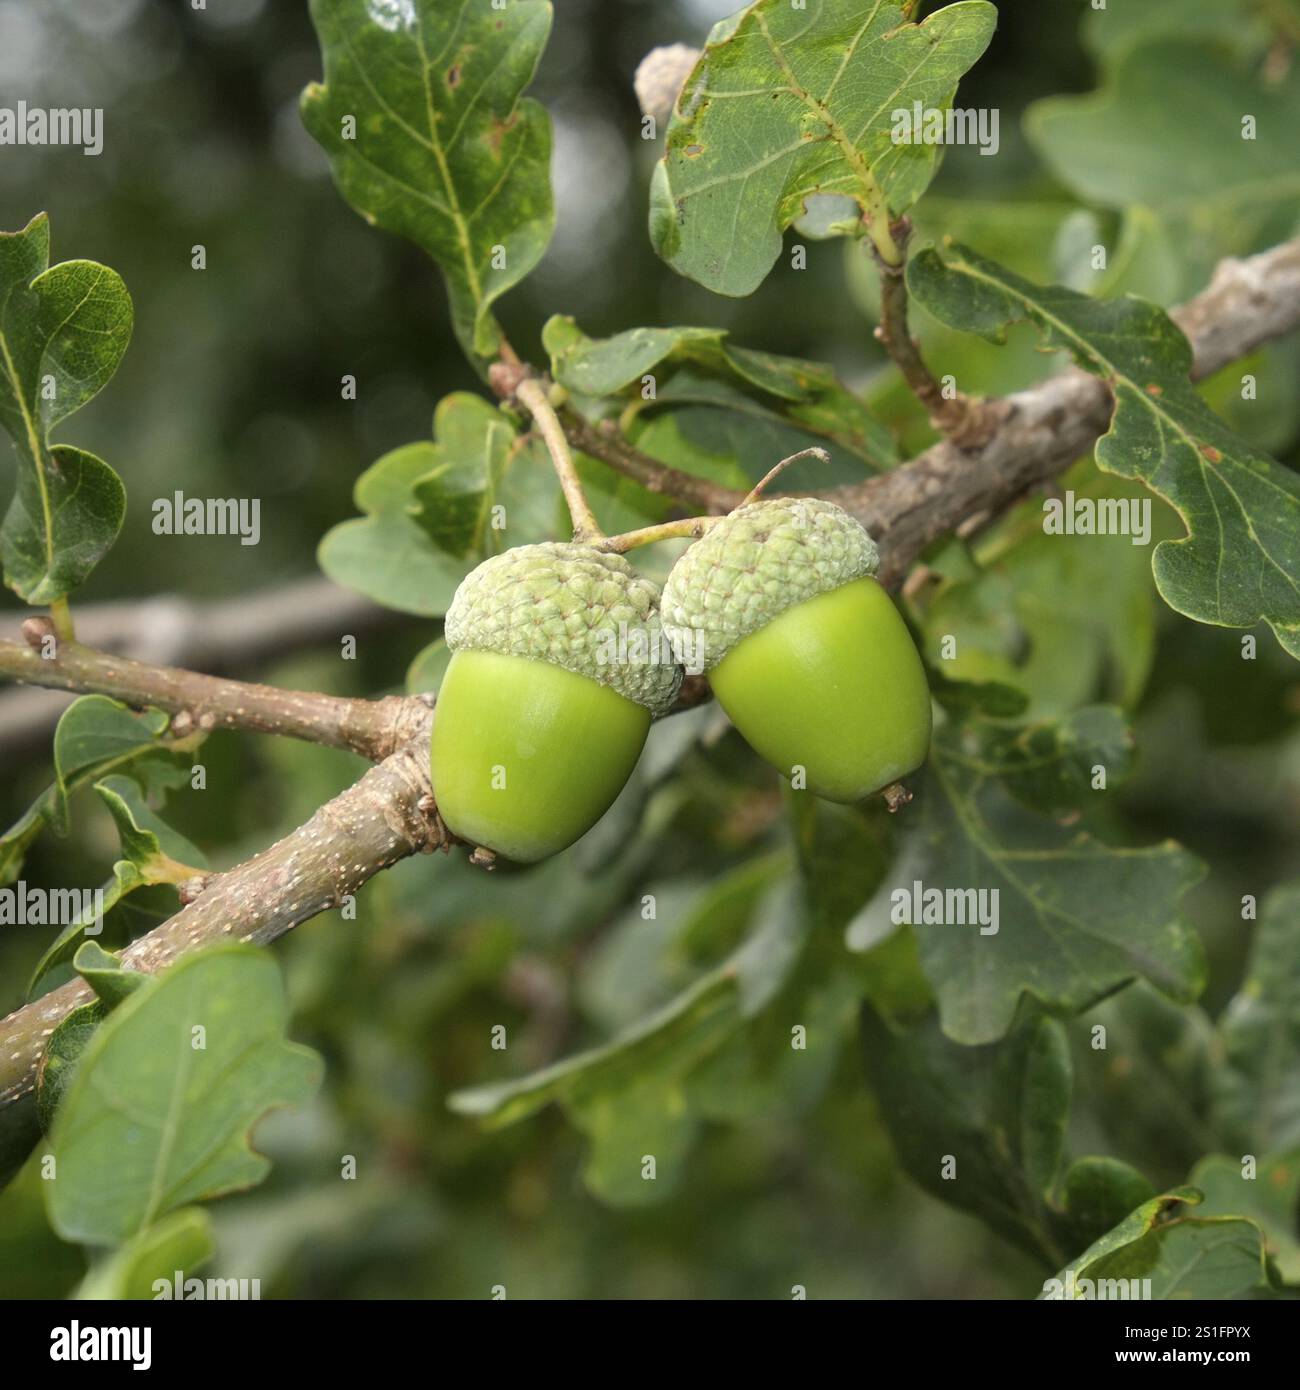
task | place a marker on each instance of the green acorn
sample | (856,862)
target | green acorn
(804,649)
(558,668)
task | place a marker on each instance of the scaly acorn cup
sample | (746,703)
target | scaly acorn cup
(804,649)
(558,668)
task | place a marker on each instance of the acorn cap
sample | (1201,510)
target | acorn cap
(754,564)
(575,607)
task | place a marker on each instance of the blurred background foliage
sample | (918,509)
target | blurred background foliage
(231,387)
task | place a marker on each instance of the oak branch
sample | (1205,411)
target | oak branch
(390,813)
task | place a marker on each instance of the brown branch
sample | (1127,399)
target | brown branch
(1040,432)
(378,820)
(966,421)
(373,728)
(605,442)
(1248,303)
(228,637)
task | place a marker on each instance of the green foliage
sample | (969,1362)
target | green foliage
(166,1109)
(434,509)
(95,736)
(630,1095)
(106,974)
(442,147)
(153,854)
(984,1129)
(1241,509)
(112,983)
(732,446)
(1144,1065)
(426,671)
(182,1241)
(63,330)
(1075,917)
(734,1000)
(1067,619)
(61,1055)
(1117,28)
(981,1127)
(1182,1255)
(1269,1197)
(1257,1092)
(789,105)
(1214,186)
(698,366)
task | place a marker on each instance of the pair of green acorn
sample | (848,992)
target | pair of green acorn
(564,654)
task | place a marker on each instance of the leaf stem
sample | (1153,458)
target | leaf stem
(889,251)
(61,616)
(693,527)
(689,527)
(757,491)
(958,417)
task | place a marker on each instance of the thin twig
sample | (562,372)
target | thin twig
(959,417)
(531,394)
(607,444)
(228,637)
(688,528)
(373,728)
(757,490)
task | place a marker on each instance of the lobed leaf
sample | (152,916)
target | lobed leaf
(1240,560)
(429,135)
(1216,186)
(152,1121)
(95,736)
(1182,1255)
(787,105)
(1075,917)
